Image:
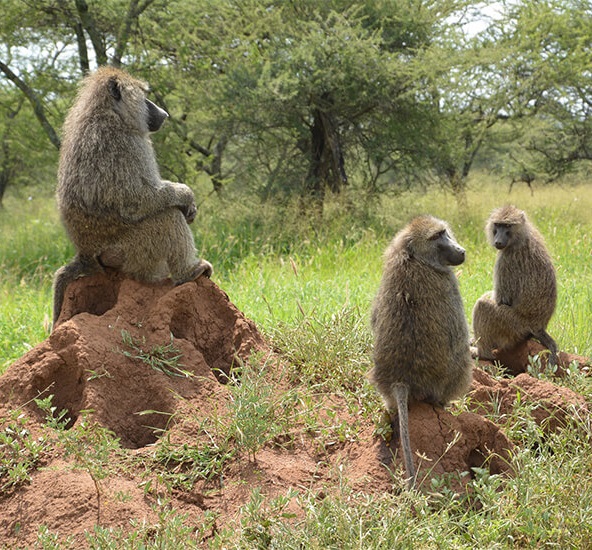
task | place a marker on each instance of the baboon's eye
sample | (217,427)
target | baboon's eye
(438,235)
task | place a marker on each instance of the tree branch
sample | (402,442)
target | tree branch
(35,102)
(134,11)
(88,23)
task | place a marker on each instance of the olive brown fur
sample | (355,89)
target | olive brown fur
(524,292)
(115,207)
(421,335)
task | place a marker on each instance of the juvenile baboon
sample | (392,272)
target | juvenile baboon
(525,176)
(421,335)
(524,287)
(117,210)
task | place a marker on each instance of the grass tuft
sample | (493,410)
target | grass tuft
(308,284)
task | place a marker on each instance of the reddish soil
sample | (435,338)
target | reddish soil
(91,363)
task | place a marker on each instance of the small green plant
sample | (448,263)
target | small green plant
(162,358)
(88,443)
(57,420)
(48,540)
(331,350)
(536,369)
(255,406)
(259,517)
(169,531)
(20,452)
(95,374)
(185,464)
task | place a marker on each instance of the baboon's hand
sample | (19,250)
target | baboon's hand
(190,212)
(186,199)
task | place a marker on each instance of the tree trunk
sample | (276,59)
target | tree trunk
(459,189)
(215,169)
(326,168)
(317,171)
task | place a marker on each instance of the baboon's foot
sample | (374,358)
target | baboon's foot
(202,267)
(190,212)
(484,354)
(549,357)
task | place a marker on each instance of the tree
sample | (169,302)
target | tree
(551,77)
(295,97)
(304,93)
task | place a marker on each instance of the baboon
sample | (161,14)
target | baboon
(421,335)
(524,288)
(116,209)
(525,176)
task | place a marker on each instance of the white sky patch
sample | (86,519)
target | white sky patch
(481,17)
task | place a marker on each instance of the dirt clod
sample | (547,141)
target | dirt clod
(150,363)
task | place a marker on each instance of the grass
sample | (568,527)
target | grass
(309,288)
(279,269)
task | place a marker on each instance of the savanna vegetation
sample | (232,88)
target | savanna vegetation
(305,98)
(310,133)
(309,289)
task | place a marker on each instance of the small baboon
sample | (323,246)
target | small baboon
(524,288)
(524,176)
(117,210)
(421,335)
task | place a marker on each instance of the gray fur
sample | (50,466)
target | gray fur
(421,336)
(524,292)
(117,210)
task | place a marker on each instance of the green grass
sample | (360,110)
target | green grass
(279,268)
(309,287)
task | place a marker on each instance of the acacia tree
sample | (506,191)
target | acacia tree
(550,76)
(282,97)
(299,96)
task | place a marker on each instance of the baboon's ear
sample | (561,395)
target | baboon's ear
(114,89)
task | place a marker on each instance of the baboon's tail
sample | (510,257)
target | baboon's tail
(80,266)
(402,395)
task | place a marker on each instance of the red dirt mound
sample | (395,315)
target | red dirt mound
(150,363)
(551,405)
(530,352)
(102,358)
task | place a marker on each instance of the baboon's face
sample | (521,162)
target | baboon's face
(448,250)
(156,116)
(129,100)
(502,235)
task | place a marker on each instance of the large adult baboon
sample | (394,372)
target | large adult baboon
(524,288)
(117,210)
(421,336)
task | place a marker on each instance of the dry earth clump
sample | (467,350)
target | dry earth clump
(99,365)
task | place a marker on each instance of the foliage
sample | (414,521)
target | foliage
(169,531)
(89,444)
(311,98)
(305,96)
(549,79)
(256,414)
(183,465)
(20,451)
(309,289)
(162,358)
